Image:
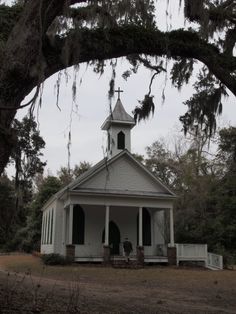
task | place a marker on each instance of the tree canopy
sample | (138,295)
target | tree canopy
(41,37)
(206,188)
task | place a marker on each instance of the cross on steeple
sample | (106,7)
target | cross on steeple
(119,91)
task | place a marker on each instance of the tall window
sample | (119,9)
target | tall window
(78,225)
(108,140)
(146,228)
(43,226)
(121,140)
(48,228)
(51,231)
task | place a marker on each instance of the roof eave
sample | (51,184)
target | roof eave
(106,125)
(132,194)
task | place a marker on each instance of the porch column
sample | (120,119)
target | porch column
(64,227)
(172,241)
(107,225)
(70,224)
(140,229)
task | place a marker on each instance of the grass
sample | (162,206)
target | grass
(98,289)
(34,266)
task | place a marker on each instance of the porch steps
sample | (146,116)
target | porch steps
(122,263)
(212,267)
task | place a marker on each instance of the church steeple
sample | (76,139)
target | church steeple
(118,126)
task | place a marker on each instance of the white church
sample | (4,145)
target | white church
(117,198)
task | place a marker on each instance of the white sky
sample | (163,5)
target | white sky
(88,141)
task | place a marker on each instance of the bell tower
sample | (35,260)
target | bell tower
(118,126)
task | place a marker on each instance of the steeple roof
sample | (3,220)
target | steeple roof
(119,116)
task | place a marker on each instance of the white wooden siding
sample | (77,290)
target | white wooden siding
(123,175)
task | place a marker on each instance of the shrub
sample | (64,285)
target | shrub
(36,254)
(55,259)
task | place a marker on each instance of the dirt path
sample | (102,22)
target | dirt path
(107,290)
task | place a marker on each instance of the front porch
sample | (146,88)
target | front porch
(99,235)
(119,258)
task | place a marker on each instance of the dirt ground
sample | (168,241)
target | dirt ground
(26,286)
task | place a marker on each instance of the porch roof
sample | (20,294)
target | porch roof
(120,193)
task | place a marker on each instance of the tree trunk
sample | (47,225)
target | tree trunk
(7,137)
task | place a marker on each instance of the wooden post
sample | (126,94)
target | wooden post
(140,219)
(64,231)
(71,225)
(106,247)
(172,241)
(107,226)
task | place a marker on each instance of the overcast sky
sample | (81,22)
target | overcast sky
(88,140)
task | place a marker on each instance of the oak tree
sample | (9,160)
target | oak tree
(41,37)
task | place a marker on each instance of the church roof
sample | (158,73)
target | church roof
(164,192)
(118,115)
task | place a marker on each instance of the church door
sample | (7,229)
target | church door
(114,238)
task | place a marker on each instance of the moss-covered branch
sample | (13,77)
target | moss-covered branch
(103,44)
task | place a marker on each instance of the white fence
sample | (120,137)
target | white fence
(191,252)
(198,252)
(214,261)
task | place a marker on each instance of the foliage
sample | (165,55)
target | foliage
(27,153)
(9,16)
(7,210)
(26,157)
(225,199)
(55,259)
(66,175)
(205,186)
(205,105)
(145,109)
(17,194)
(28,237)
(160,162)
(227,146)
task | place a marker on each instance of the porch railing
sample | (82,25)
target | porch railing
(214,260)
(191,252)
(198,252)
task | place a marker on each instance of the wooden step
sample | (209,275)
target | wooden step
(132,264)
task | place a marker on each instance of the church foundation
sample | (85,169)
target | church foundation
(171,254)
(106,254)
(70,252)
(140,255)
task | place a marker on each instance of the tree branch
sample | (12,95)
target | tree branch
(229,43)
(102,44)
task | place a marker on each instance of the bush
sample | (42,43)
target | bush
(55,259)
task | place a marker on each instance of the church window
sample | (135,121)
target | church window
(78,225)
(109,141)
(51,226)
(121,140)
(43,228)
(146,228)
(114,238)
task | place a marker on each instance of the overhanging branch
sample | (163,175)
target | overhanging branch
(103,44)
